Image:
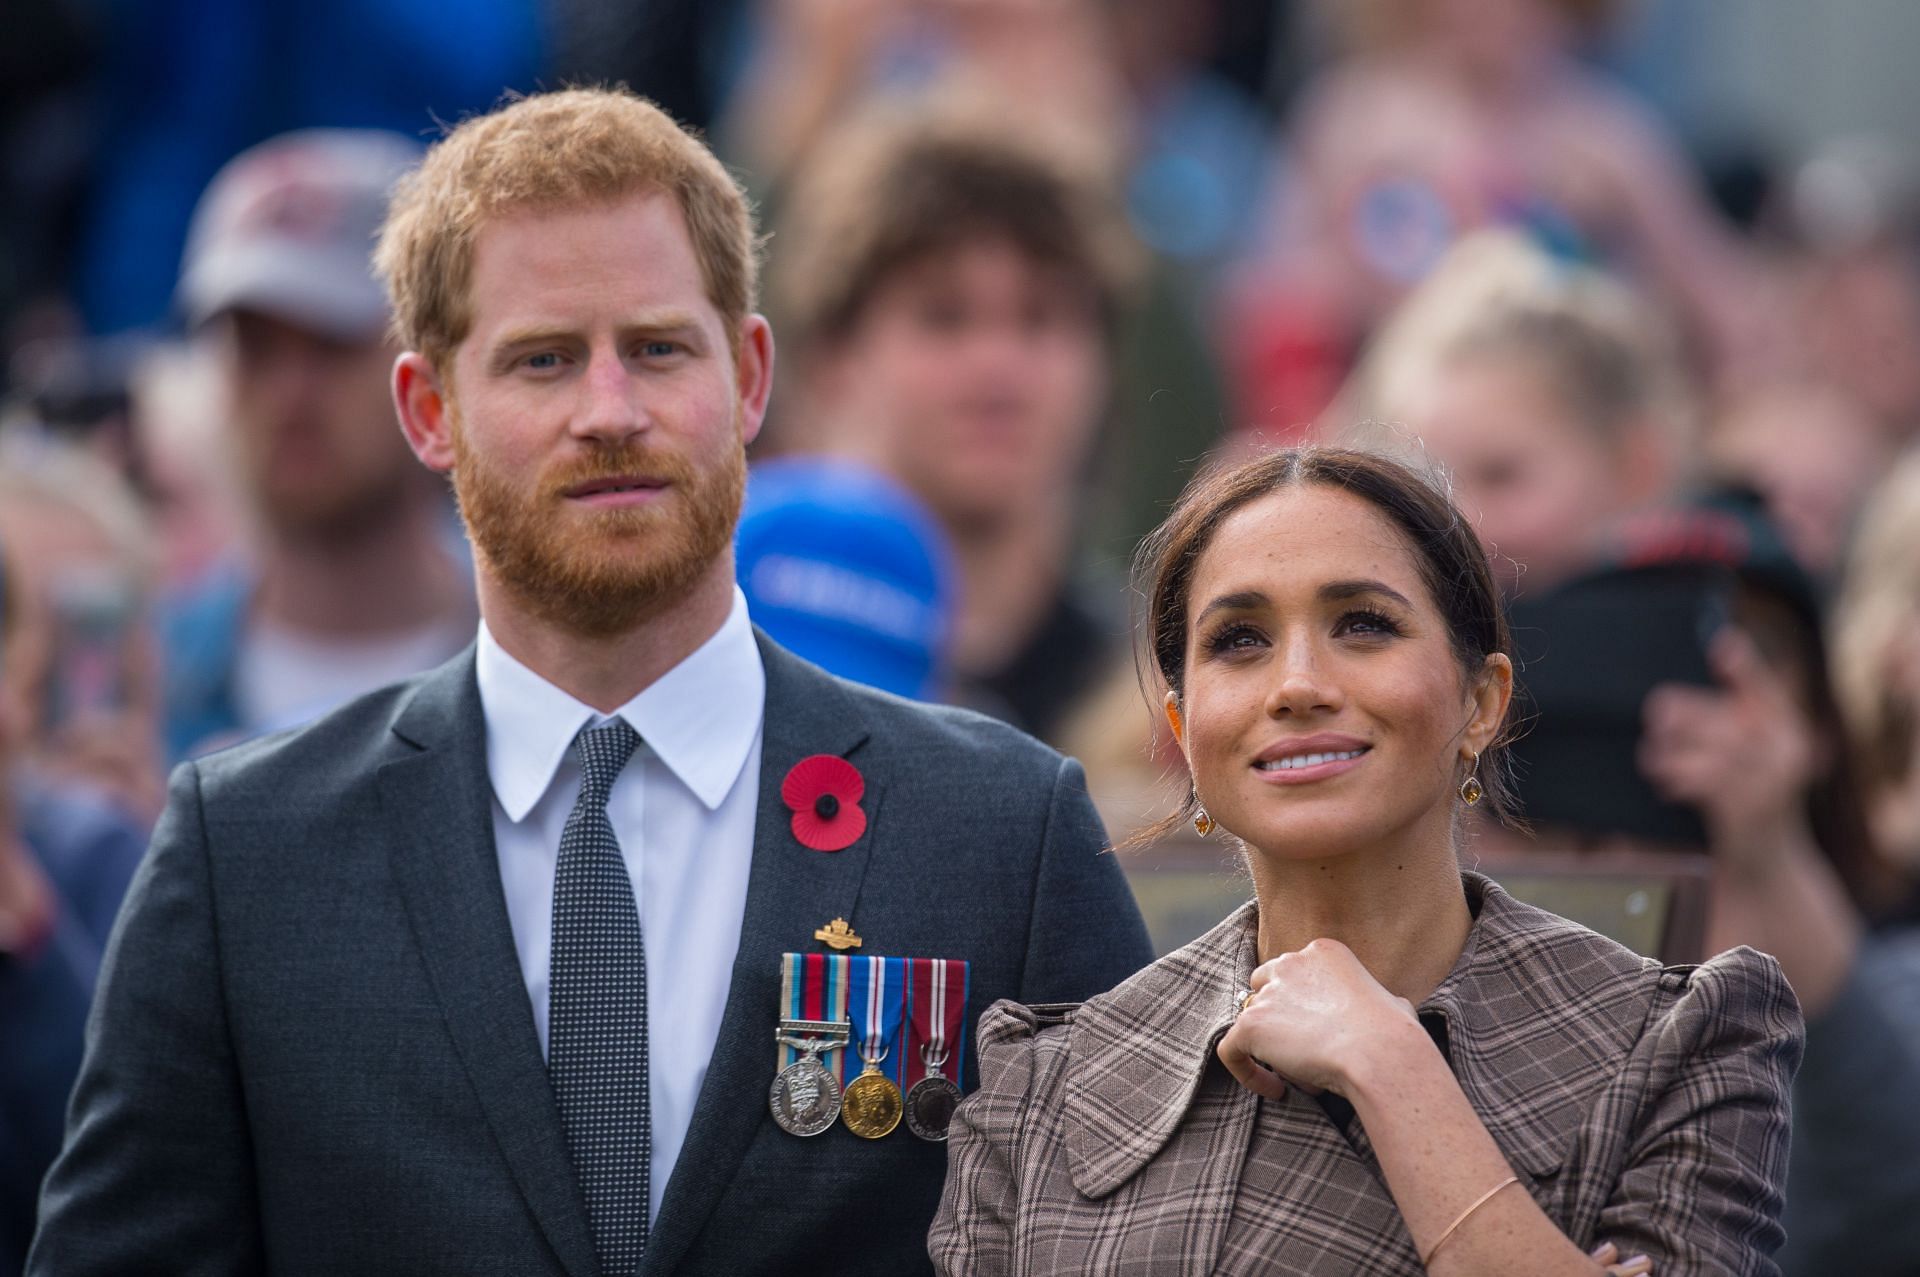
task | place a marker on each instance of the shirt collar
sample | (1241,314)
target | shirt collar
(700,718)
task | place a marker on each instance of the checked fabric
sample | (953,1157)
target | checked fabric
(597,1011)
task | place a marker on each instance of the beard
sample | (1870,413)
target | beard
(598,573)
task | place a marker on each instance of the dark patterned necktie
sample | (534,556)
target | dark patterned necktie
(597,1011)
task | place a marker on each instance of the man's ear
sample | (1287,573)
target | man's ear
(753,375)
(425,408)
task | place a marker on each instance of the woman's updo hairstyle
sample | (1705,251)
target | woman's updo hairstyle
(1450,558)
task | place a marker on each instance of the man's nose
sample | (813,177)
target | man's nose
(611,408)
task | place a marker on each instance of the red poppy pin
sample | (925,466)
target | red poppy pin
(823,792)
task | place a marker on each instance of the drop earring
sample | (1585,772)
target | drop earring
(1471,791)
(1202,823)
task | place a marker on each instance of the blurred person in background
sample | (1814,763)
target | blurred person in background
(841,566)
(66,857)
(1811,452)
(1547,393)
(1181,154)
(1876,649)
(951,286)
(86,681)
(1442,116)
(1852,214)
(353,579)
(1715,729)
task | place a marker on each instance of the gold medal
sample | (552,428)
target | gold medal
(871,1104)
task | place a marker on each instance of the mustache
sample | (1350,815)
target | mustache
(614,462)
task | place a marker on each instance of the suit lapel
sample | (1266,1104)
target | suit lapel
(791,890)
(438,802)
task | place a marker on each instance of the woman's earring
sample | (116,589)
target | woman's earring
(1471,791)
(1202,822)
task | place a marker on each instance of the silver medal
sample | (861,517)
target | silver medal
(932,1100)
(805,1097)
(930,1106)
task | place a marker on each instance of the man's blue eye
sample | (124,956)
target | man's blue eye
(546,359)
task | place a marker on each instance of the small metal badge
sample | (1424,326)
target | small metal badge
(838,935)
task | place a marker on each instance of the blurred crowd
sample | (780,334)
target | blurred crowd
(1030,264)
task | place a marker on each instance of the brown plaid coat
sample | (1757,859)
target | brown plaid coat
(1641,1105)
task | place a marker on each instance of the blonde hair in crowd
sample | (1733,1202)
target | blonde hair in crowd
(1602,350)
(1878,609)
(569,149)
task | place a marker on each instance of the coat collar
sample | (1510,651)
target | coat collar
(1532,998)
(436,807)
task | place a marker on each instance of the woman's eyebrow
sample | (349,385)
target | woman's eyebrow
(1337,591)
(1237,602)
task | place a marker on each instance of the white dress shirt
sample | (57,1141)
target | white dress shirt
(683,809)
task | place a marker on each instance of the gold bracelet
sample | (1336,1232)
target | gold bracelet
(1427,1260)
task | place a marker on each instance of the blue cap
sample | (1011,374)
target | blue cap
(843,567)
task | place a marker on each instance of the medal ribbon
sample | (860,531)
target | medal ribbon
(876,1001)
(937,1014)
(813,986)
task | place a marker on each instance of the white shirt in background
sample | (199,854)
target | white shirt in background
(283,678)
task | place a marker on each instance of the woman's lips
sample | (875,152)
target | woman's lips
(1331,762)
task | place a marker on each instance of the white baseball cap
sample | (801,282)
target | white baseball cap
(288,228)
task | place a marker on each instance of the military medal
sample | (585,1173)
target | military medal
(934,1020)
(806,1097)
(871,1105)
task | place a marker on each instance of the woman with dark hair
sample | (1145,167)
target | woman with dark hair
(1381,1064)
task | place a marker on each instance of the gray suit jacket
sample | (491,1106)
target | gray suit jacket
(312,1050)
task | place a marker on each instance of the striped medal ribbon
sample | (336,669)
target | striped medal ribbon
(806,1095)
(876,999)
(937,1002)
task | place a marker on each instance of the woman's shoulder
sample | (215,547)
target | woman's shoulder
(1740,997)
(1566,964)
(1164,1000)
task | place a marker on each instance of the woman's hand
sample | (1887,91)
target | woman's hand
(1311,1017)
(1608,1254)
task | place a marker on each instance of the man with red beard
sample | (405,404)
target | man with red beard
(353,579)
(482,973)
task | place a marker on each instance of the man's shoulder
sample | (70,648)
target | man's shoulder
(961,737)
